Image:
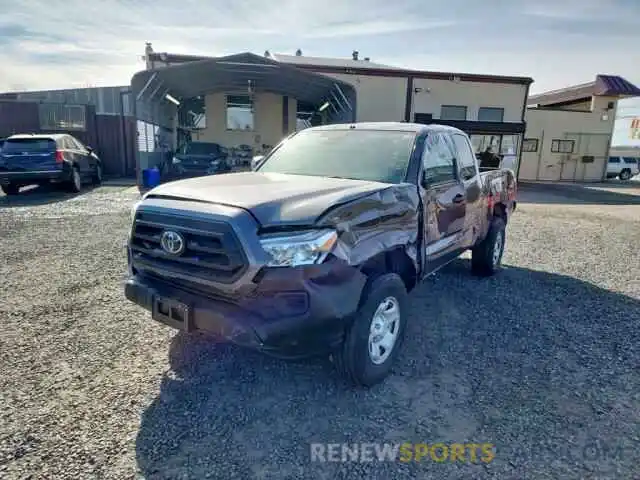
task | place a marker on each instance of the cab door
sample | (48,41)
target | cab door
(444,201)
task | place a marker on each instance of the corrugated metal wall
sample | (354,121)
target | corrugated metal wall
(18,117)
(106,100)
(117,144)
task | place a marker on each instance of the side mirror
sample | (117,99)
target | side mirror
(256,161)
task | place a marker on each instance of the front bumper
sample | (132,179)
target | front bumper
(289,312)
(27,177)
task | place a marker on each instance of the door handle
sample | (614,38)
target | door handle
(459,198)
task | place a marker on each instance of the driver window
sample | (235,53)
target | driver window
(466,158)
(438,159)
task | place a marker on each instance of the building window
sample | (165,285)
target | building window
(490,114)
(239,112)
(562,146)
(530,145)
(453,112)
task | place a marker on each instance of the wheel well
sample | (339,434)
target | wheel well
(392,261)
(500,210)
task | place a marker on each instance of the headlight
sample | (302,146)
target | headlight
(176,161)
(214,163)
(134,209)
(299,249)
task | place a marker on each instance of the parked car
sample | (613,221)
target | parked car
(196,159)
(316,251)
(47,158)
(244,153)
(623,167)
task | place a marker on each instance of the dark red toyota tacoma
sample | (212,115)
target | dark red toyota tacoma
(316,250)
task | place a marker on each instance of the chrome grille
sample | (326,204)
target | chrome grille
(212,250)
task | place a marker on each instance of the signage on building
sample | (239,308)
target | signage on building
(634,133)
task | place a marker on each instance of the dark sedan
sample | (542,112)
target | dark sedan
(197,159)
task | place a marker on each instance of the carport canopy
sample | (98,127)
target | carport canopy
(242,72)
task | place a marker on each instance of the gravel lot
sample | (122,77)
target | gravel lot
(543,361)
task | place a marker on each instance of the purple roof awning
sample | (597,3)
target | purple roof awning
(615,85)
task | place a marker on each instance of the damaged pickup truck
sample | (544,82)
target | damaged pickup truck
(316,250)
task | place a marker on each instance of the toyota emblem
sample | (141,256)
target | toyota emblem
(172,242)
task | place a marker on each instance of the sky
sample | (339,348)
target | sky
(79,43)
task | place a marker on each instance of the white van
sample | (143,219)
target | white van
(623,167)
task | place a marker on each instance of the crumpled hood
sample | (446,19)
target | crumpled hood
(272,198)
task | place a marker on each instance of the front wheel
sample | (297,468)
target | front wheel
(375,337)
(625,174)
(486,256)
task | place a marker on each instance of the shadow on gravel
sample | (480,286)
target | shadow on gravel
(541,365)
(40,195)
(577,194)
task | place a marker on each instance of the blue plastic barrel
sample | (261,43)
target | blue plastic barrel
(150,177)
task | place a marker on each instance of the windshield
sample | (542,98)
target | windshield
(196,148)
(28,145)
(375,155)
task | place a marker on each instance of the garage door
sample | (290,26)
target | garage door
(586,162)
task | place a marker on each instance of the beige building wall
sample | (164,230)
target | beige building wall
(590,133)
(267,121)
(473,95)
(379,99)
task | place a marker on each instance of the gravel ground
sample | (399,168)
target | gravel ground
(543,361)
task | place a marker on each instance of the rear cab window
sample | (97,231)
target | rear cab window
(28,145)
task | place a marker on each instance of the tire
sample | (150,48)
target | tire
(75,183)
(625,174)
(485,260)
(354,359)
(11,189)
(96,179)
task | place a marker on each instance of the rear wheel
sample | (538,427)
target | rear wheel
(487,255)
(75,183)
(11,189)
(375,337)
(625,174)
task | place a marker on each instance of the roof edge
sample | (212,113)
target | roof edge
(403,72)
(390,71)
